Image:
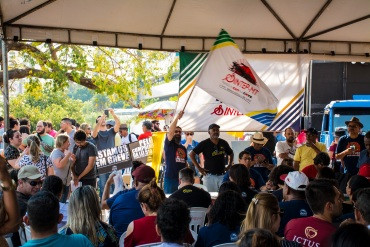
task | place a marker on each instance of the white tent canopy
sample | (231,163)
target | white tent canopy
(339,27)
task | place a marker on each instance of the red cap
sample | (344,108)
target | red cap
(365,171)
(144,174)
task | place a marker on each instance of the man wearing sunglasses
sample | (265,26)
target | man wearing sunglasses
(350,146)
(190,144)
(29,183)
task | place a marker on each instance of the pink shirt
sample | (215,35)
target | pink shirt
(53,133)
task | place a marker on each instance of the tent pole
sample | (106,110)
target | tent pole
(5,90)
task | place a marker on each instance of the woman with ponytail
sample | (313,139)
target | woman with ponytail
(14,139)
(33,156)
(142,231)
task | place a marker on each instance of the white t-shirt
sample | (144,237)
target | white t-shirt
(283,147)
(126,140)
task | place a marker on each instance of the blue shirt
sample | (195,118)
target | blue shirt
(125,209)
(189,148)
(350,161)
(175,158)
(216,234)
(264,153)
(59,240)
(363,159)
(255,175)
(113,198)
(292,210)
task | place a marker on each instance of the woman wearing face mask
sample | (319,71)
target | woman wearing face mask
(14,139)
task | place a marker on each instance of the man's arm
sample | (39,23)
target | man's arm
(196,164)
(88,168)
(296,165)
(116,120)
(105,196)
(231,161)
(171,131)
(95,132)
(343,154)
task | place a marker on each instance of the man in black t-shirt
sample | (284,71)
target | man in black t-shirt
(191,195)
(214,151)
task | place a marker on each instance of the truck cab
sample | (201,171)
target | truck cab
(337,112)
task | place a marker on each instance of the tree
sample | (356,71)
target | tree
(121,74)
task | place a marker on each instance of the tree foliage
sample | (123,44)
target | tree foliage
(120,74)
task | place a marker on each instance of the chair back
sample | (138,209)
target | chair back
(226,245)
(149,245)
(198,216)
(122,240)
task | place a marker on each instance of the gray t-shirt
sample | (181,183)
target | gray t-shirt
(105,139)
(82,159)
(63,173)
(71,140)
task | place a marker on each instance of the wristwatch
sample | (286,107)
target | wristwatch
(12,186)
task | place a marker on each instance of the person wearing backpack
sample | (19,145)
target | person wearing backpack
(126,138)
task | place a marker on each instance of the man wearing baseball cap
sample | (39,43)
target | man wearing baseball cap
(29,183)
(214,150)
(350,146)
(126,207)
(294,205)
(307,152)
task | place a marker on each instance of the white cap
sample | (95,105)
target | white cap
(295,180)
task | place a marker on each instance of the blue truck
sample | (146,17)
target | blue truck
(337,112)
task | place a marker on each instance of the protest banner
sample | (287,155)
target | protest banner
(142,150)
(108,158)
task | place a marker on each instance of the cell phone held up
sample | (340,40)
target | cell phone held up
(106,112)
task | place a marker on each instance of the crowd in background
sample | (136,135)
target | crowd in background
(289,194)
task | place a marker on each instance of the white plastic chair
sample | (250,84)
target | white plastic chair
(194,235)
(226,245)
(198,216)
(122,240)
(201,186)
(149,245)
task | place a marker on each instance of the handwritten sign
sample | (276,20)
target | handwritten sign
(142,150)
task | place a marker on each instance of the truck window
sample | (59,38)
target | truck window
(344,114)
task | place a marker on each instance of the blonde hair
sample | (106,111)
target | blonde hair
(84,212)
(260,213)
(33,142)
(61,139)
(84,126)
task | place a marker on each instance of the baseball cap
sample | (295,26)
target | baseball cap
(365,171)
(295,180)
(110,122)
(312,131)
(30,172)
(213,126)
(144,174)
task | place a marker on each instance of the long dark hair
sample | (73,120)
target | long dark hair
(229,209)
(239,173)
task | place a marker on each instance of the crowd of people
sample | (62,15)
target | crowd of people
(303,194)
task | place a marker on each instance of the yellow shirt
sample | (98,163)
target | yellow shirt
(305,155)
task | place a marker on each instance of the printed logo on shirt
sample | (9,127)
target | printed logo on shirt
(216,152)
(255,158)
(233,237)
(180,155)
(310,232)
(356,146)
(303,212)
(187,191)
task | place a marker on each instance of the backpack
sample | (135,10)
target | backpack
(130,138)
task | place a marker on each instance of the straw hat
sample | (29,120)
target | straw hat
(259,138)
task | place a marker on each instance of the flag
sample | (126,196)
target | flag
(227,76)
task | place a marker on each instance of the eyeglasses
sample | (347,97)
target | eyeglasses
(352,126)
(191,134)
(178,131)
(34,183)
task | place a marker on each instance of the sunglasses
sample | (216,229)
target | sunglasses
(34,183)
(191,134)
(178,131)
(351,126)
